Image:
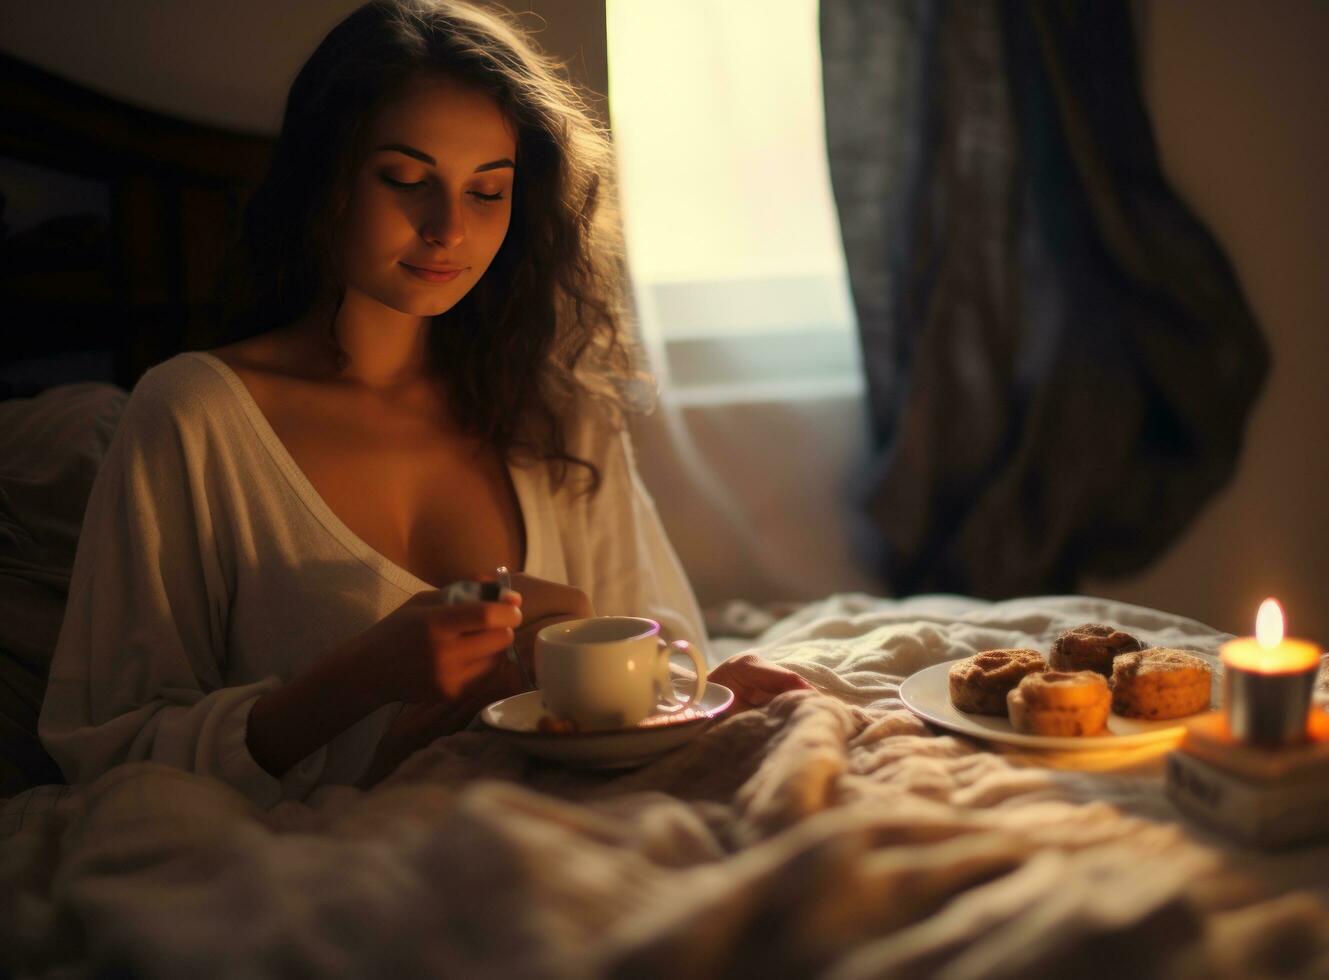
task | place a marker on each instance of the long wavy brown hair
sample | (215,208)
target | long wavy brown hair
(545,326)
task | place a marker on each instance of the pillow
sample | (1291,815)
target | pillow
(50,449)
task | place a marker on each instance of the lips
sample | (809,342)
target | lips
(434,274)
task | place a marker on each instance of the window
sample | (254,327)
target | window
(731,230)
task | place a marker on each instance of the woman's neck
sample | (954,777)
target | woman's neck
(384,349)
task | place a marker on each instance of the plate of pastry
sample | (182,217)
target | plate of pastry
(527,724)
(1098,688)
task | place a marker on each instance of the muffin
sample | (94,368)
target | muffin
(1091,647)
(1060,703)
(1160,683)
(979,684)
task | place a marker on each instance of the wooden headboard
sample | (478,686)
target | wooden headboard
(113,230)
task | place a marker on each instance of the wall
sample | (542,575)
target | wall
(1238,93)
(229,64)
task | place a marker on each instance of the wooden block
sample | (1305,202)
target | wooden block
(1264,813)
(1266,797)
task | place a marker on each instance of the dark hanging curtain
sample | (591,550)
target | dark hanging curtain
(1060,362)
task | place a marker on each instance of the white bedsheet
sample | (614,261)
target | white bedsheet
(829,834)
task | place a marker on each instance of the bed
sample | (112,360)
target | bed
(832,833)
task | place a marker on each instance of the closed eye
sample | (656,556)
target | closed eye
(403,185)
(487,197)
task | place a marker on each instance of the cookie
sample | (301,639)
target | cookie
(1160,683)
(979,684)
(1092,646)
(1060,703)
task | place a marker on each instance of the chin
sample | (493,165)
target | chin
(436,309)
(422,305)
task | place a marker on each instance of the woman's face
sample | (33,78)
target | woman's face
(431,204)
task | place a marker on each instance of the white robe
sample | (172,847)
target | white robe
(209,572)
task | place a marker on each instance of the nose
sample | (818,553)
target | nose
(444,226)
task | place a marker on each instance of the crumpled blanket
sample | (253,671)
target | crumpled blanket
(829,834)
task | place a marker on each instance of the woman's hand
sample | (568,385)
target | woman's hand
(426,650)
(755,681)
(421,722)
(544,603)
(416,725)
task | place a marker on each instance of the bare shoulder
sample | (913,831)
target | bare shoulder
(266,364)
(262,355)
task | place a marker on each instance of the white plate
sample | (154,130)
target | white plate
(517,718)
(928,695)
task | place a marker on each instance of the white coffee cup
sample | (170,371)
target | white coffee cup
(610,671)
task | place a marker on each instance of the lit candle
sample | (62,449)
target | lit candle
(1267,682)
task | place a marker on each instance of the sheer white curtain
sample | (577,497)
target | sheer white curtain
(741,292)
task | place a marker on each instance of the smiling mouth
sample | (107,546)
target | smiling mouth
(433,275)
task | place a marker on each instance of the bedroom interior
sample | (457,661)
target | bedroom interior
(1231,93)
(871,838)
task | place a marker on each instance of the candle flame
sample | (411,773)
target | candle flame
(1269,624)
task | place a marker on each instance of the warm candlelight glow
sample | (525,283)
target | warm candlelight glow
(1267,682)
(1270,652)
(1269,624)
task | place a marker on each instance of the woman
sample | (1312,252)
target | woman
(424,386)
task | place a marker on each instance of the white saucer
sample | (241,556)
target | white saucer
(517,718)
(928,695)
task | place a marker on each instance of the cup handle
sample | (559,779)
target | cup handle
(666,683)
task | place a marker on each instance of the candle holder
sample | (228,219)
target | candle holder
(1267,691)
(1268,709)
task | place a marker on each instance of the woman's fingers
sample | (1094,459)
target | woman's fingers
(471,617)
(755,681)
(479,645)
(777,680)
(545,598)
(465,658)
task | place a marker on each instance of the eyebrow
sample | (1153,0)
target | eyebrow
(424,157)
